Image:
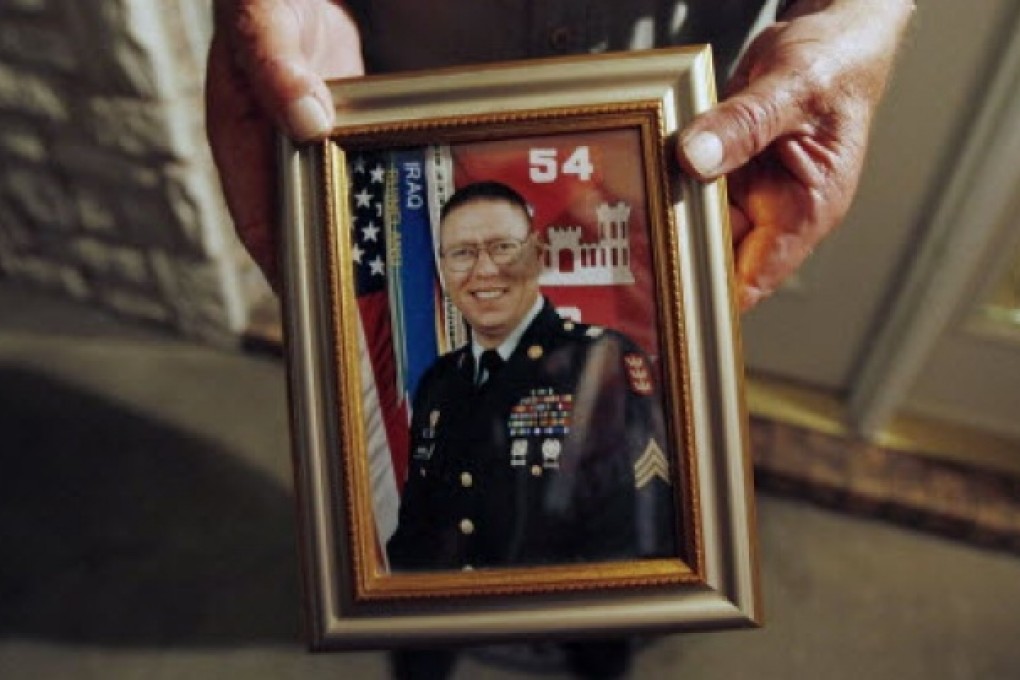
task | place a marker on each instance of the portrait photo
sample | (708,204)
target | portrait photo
(534,253)
(512,346)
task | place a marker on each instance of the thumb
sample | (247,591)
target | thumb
(266,37)
(741,127)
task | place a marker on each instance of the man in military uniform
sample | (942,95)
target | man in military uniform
(542,440)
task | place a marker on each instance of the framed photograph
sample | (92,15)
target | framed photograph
(513,359)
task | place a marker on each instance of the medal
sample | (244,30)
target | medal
(519,452)
(542,412)
(551,453)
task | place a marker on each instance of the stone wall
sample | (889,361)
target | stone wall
(107,192)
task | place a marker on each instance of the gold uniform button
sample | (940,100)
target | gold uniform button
(536,470)
(467,527)
(568,325)
(466,480)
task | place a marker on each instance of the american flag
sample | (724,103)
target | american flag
(383,395)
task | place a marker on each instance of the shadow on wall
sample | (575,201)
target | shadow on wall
(119,530)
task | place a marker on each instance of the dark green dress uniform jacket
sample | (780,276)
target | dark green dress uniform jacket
(559,457)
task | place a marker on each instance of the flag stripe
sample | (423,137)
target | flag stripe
(382,481)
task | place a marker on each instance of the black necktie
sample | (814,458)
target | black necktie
(490,363)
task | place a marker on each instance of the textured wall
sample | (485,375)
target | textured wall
(107,192)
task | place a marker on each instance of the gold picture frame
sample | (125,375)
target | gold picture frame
(607,120)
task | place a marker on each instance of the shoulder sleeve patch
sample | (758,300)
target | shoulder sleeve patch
(639,375)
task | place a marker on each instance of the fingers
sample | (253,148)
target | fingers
(766,258)
(267,65)
(267,46)
(286,49)
(242,146)
(775,222)
(738,129)
(731,137)
(792,131)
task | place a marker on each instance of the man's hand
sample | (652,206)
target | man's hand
(792,131)
(267,66)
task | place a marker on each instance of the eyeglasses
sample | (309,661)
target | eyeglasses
(502,252)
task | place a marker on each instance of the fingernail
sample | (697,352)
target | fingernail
(307,118)
(704,152)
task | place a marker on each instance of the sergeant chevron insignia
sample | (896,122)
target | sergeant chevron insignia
(650,465)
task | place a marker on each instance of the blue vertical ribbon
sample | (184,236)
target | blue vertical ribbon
(417,276)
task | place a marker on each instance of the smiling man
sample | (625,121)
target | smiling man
(496,291)
(542,440)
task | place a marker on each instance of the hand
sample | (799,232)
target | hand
(792,131)
(267,66)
